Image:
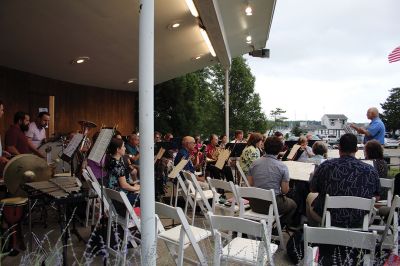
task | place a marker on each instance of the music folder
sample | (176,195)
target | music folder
(236,148)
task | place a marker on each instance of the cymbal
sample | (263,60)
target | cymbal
(25,168)
(87,124)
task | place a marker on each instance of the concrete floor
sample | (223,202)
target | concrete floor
(76,251)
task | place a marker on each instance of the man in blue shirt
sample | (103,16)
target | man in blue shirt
(375,130)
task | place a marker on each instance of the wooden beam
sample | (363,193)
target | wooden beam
(52,114)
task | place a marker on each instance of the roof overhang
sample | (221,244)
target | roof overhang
(44,36)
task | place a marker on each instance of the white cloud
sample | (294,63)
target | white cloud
(329,57)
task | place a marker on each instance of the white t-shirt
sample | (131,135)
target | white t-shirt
(35,134)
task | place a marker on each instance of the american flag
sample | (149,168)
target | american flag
(394,55)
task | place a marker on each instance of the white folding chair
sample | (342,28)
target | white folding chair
(200,197)
(390,235)
(273,214)
(127,221)
(387,183)
(242,250)
(243,177)
(339,237)
(180,237)
(227,187)
(348,202)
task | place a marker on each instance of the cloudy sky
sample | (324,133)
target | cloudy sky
(329,57)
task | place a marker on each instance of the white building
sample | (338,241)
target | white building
(333,124)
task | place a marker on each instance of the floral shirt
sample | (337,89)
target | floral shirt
(249,155)
(116,169)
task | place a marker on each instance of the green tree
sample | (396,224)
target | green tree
(391,110)
(296,130)
(278,119)
(244,104)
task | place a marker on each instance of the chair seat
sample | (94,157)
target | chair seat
(245,250)
(173,234)
(250,214)
(207,193)
(223,206)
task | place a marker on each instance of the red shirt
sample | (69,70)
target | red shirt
(15,137)
(210,151)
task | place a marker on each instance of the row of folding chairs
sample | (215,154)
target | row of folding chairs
(184,235)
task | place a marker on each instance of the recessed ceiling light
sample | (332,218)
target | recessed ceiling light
(248,39)
(248,11)
(130,81)
(80,60)
(196,57)
(174,25)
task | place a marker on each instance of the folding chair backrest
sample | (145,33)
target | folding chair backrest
(339,237)
(120,196)
(192,180)
(237,224)
(86,176)
(388,183)
(347,202)
(221,184)
(242,174)
(257,193)
(392,221)
(168,211)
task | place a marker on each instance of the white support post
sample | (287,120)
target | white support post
(146,129)
(227,102)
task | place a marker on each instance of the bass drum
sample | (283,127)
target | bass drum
(53,151)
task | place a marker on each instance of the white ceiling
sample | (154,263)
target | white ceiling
(44,36)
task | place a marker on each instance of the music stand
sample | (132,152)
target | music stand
(70,150)
(236,151)
(96,155)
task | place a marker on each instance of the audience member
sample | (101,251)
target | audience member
(268,172)
(344,176)
(373,151)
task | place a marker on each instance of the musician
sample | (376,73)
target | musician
(118,173)
(132,148)
(223,140)
(375,130)
(157,137)
(168,137)
(285,147)
(268,172)
(188,144)
(3,155)
(373,151)
(36,133)
(238,137)
(212,156)
(320,153)
(306,151)
(251,152)
(15,140)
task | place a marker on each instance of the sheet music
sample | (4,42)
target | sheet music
(299,171)
(179,167)
(101,144)
(293,151)
(160,153)
(335,154)
(222,157)
(73,145)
